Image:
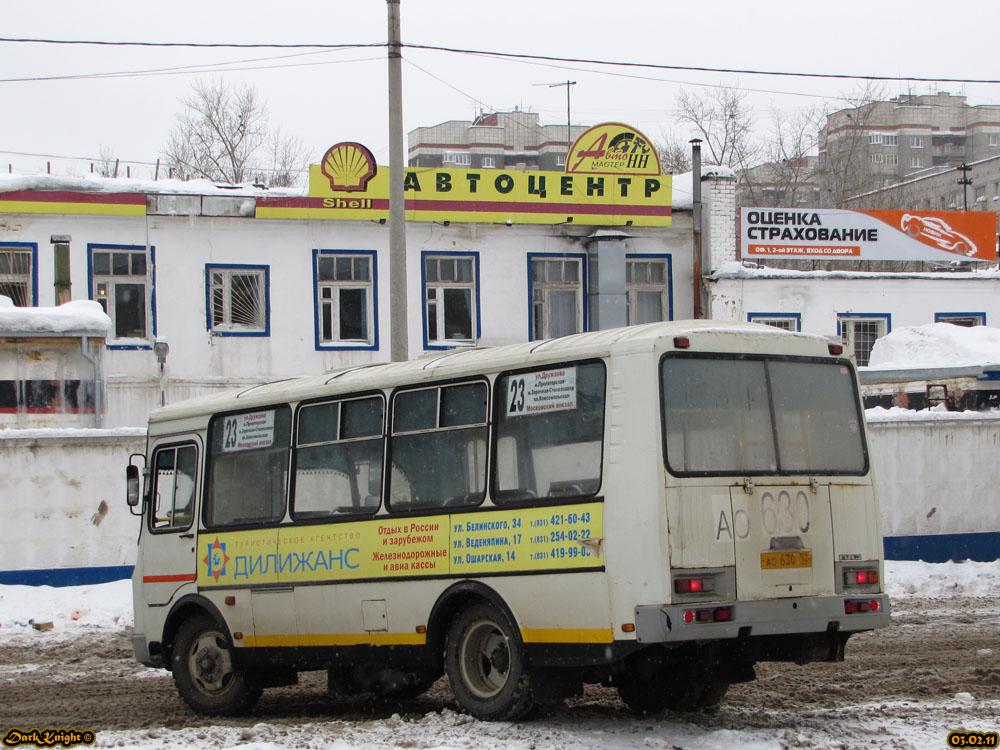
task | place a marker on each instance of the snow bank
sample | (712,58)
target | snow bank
(936,345)
(905,578)
(81,316)
(68,609)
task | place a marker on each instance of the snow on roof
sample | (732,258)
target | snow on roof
(682,196)
(935,345)
(97,184)
(736,269)
(82,317)
(682,187)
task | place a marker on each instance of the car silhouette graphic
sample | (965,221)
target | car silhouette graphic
(937,231)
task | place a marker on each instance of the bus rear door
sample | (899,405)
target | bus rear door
(784,540)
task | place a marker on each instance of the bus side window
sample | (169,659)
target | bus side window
(438,447)
(338,458)
(247,467)
(174,487)
(549,433)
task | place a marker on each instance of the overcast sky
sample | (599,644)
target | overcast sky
(329,96)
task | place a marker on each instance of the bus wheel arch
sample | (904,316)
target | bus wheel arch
(450,603)
(483,654)
(186,607)
(206,672)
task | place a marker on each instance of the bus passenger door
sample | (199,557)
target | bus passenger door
(784,541)
(170,527)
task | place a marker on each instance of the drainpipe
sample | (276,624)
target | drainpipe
(98,380)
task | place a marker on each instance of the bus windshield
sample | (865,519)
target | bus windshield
(755,415)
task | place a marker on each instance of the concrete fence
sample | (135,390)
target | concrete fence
(66,521)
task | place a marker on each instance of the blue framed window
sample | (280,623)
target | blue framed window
(122,279)
(237,299)
(649,291)
(19,272)
(860,331)
(784,321)
(967,319)
(557,284)
(450,284)
(345,297)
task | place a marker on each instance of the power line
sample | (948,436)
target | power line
(508,55)
(204,45)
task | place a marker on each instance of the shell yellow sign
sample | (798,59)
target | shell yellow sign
(612,178)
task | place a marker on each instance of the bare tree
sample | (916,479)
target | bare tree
(675,156)
(845,163)
(723,121)
(222,134)
(788,175)
(107,162)
(286,156)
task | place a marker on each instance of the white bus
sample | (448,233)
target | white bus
(655,508)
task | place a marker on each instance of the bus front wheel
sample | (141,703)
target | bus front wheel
(485,665)
(204,672)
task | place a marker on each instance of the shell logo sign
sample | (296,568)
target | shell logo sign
(349,166)
(612,178)
(613,148)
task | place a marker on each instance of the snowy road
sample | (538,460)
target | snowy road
(935,669)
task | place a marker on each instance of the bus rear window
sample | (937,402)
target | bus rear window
(550,433)
(760,416)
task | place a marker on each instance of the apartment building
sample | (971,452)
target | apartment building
(495,140)
(908,134)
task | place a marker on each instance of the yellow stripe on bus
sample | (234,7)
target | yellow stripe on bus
(336,639)
(567,635)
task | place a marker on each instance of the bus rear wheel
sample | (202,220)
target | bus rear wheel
(659,680)
(205,674)
(485,665)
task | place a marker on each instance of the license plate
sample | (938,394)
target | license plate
(799,558)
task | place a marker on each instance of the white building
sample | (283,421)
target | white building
(214,287)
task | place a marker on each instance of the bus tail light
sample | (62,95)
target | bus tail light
(835,349)
(865,577)
(693,585)
(681,342)
(714,614)
(852,607)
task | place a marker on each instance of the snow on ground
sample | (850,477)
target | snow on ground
(74,610)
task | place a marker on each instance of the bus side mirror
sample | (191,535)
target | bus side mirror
(132,485)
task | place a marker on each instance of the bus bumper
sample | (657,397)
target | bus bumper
(724,620)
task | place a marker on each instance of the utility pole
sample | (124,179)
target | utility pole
(964,181)
(569,136)
(696,222)
(399,347)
